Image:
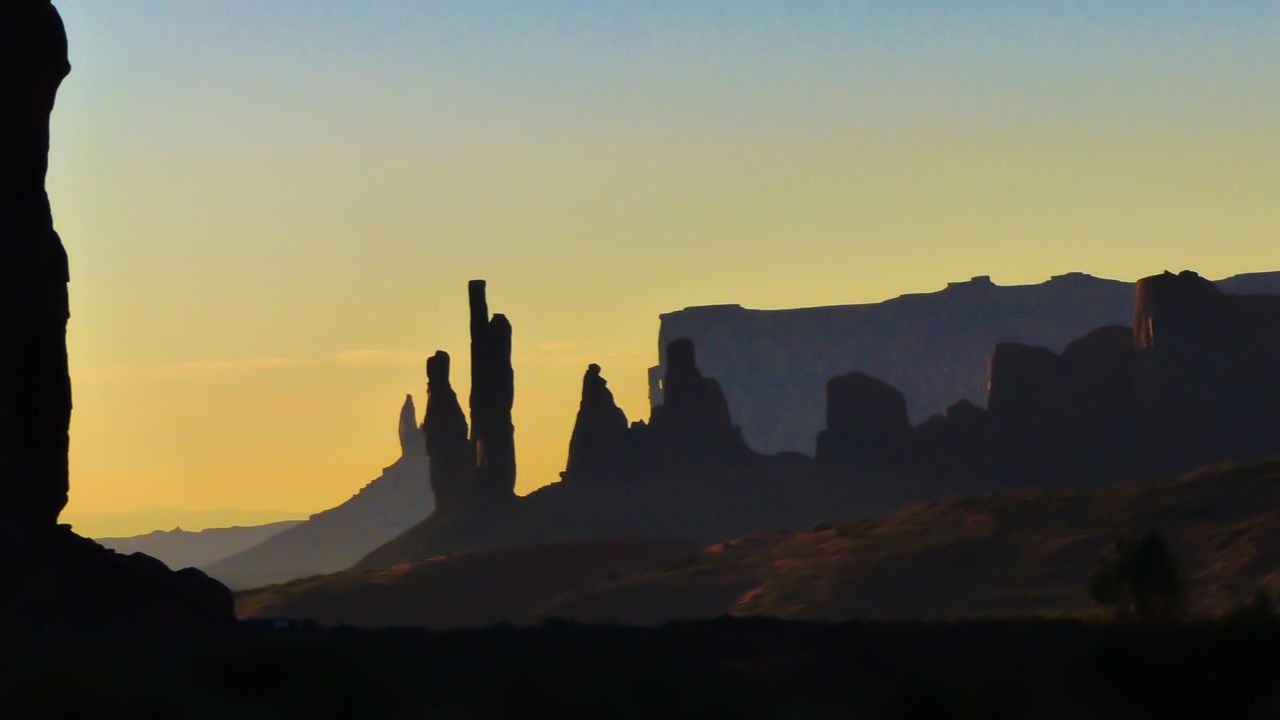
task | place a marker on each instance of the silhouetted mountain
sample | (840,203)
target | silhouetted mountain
(52,576)
(180,548)
(1016,553)
(334,539)
(1193,382)
(1072,419)
(934,347)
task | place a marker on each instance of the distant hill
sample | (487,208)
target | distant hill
(180,548)
(1025,552)
(336,538)
(934,347)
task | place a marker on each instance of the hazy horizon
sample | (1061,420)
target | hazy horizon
(272,209)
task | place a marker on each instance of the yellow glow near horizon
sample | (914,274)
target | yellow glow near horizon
(269,236)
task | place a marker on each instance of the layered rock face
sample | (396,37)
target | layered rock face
(55,577)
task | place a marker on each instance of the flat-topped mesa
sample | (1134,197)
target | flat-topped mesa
(492,397)
(867,423)
(1207,380)
(1179,311)
(35,386)
(450,454)
(412,444)
(601,450)
(691,428)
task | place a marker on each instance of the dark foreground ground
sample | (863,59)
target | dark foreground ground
(715,669)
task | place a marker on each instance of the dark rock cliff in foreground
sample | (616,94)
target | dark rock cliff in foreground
(52,577)
(35,385)
(332,540)
(934,347)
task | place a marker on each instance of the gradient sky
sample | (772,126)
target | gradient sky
(272,207)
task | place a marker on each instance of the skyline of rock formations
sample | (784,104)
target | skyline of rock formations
(773,364)
(480,469)
(1193,382)
(691,430)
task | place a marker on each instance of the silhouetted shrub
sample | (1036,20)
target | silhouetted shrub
(1140,578)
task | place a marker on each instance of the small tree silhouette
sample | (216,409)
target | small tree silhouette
(1141,579)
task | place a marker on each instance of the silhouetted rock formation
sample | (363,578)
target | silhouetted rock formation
(451,455)
(934,347)
(35,386)
(1196,380)
(53,576)
(867,423)
(1064,419)
(481,470)
(1208,379)
(601,450)
(412,441)
(492,395)
(691,429)
(329,541)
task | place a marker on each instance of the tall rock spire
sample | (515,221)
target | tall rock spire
(451,457)
(411,436)
(492,396)
(35,386)
(600,450)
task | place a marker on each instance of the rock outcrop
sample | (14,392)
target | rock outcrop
(692,428)
(867,423)
(1208,372)
(691,431)
(35,385)
(1194,381)
(602,449)
(934,347)
(412,442)
(450,453)
(54,577)
(492,396)
(480,470)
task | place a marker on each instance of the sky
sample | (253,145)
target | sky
(272,207)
